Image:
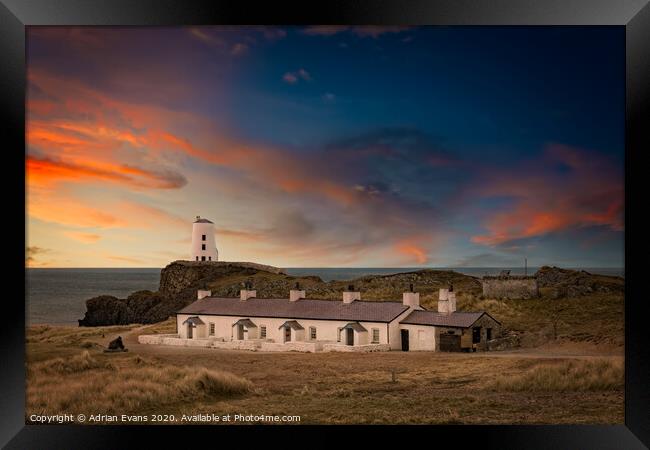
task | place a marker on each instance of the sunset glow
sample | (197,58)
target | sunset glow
(325,146)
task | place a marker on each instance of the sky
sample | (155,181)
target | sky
(326,146)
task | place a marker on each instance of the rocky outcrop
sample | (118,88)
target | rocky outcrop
(576,283)
(180,275)
(180,280)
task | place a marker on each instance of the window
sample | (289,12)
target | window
(375,335)
(202,246)
(211,329)
(488,333)
(338,334)
(197,258)
(202,258)
(203,237)
(262,332)
(476,335)
(209,258)
(312,333)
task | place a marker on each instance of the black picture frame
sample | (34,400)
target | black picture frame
(634,15)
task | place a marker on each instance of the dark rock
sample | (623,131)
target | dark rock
(576,283)
(106,310)
(116,344)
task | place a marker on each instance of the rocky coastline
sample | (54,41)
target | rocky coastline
(180,280)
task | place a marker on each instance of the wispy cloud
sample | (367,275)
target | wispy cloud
(294,77)
(85,238)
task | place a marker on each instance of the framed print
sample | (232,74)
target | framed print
(349,216)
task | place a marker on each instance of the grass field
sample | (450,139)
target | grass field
(574,379)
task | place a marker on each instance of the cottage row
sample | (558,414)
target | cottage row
(300,324)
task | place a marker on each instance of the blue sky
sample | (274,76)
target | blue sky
(327,146)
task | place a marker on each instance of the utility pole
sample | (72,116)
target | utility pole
(525,267)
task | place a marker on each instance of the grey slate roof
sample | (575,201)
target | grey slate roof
(194,321)
(455,319)
(203,221)
(246,322)
(292,324)
(356,326)
(374,311)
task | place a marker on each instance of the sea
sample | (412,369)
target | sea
(58,296)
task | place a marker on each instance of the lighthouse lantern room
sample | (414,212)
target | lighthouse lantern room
(203,245)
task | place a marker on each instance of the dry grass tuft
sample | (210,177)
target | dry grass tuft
(86,384)
(76,364)
(214,383)
(599,375)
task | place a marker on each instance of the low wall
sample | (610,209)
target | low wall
(174,339)
(154,338)
(309,347)
(252,345)
(356,348)
(514,288)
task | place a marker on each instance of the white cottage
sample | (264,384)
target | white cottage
(310,325)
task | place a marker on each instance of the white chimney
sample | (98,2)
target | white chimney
(447,301)
(411,299)
(451,298)
(202,294)
(296,294)
(247,292)
(351,295)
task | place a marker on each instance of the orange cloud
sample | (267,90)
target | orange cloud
(67,211)
(43,172)
(587,194)
(412,250)
(86,238)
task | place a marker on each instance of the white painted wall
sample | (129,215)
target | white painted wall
(198,231)
(326,330)
(421,337)
(394,327)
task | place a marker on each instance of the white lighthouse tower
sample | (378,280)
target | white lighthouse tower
(203,246)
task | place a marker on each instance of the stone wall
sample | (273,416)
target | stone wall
(512,287)
(252,345)
(294,346)
(356,348)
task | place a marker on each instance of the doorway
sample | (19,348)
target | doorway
(349,336)
(190,331)
(405,340)
(287,334)
(240,332)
